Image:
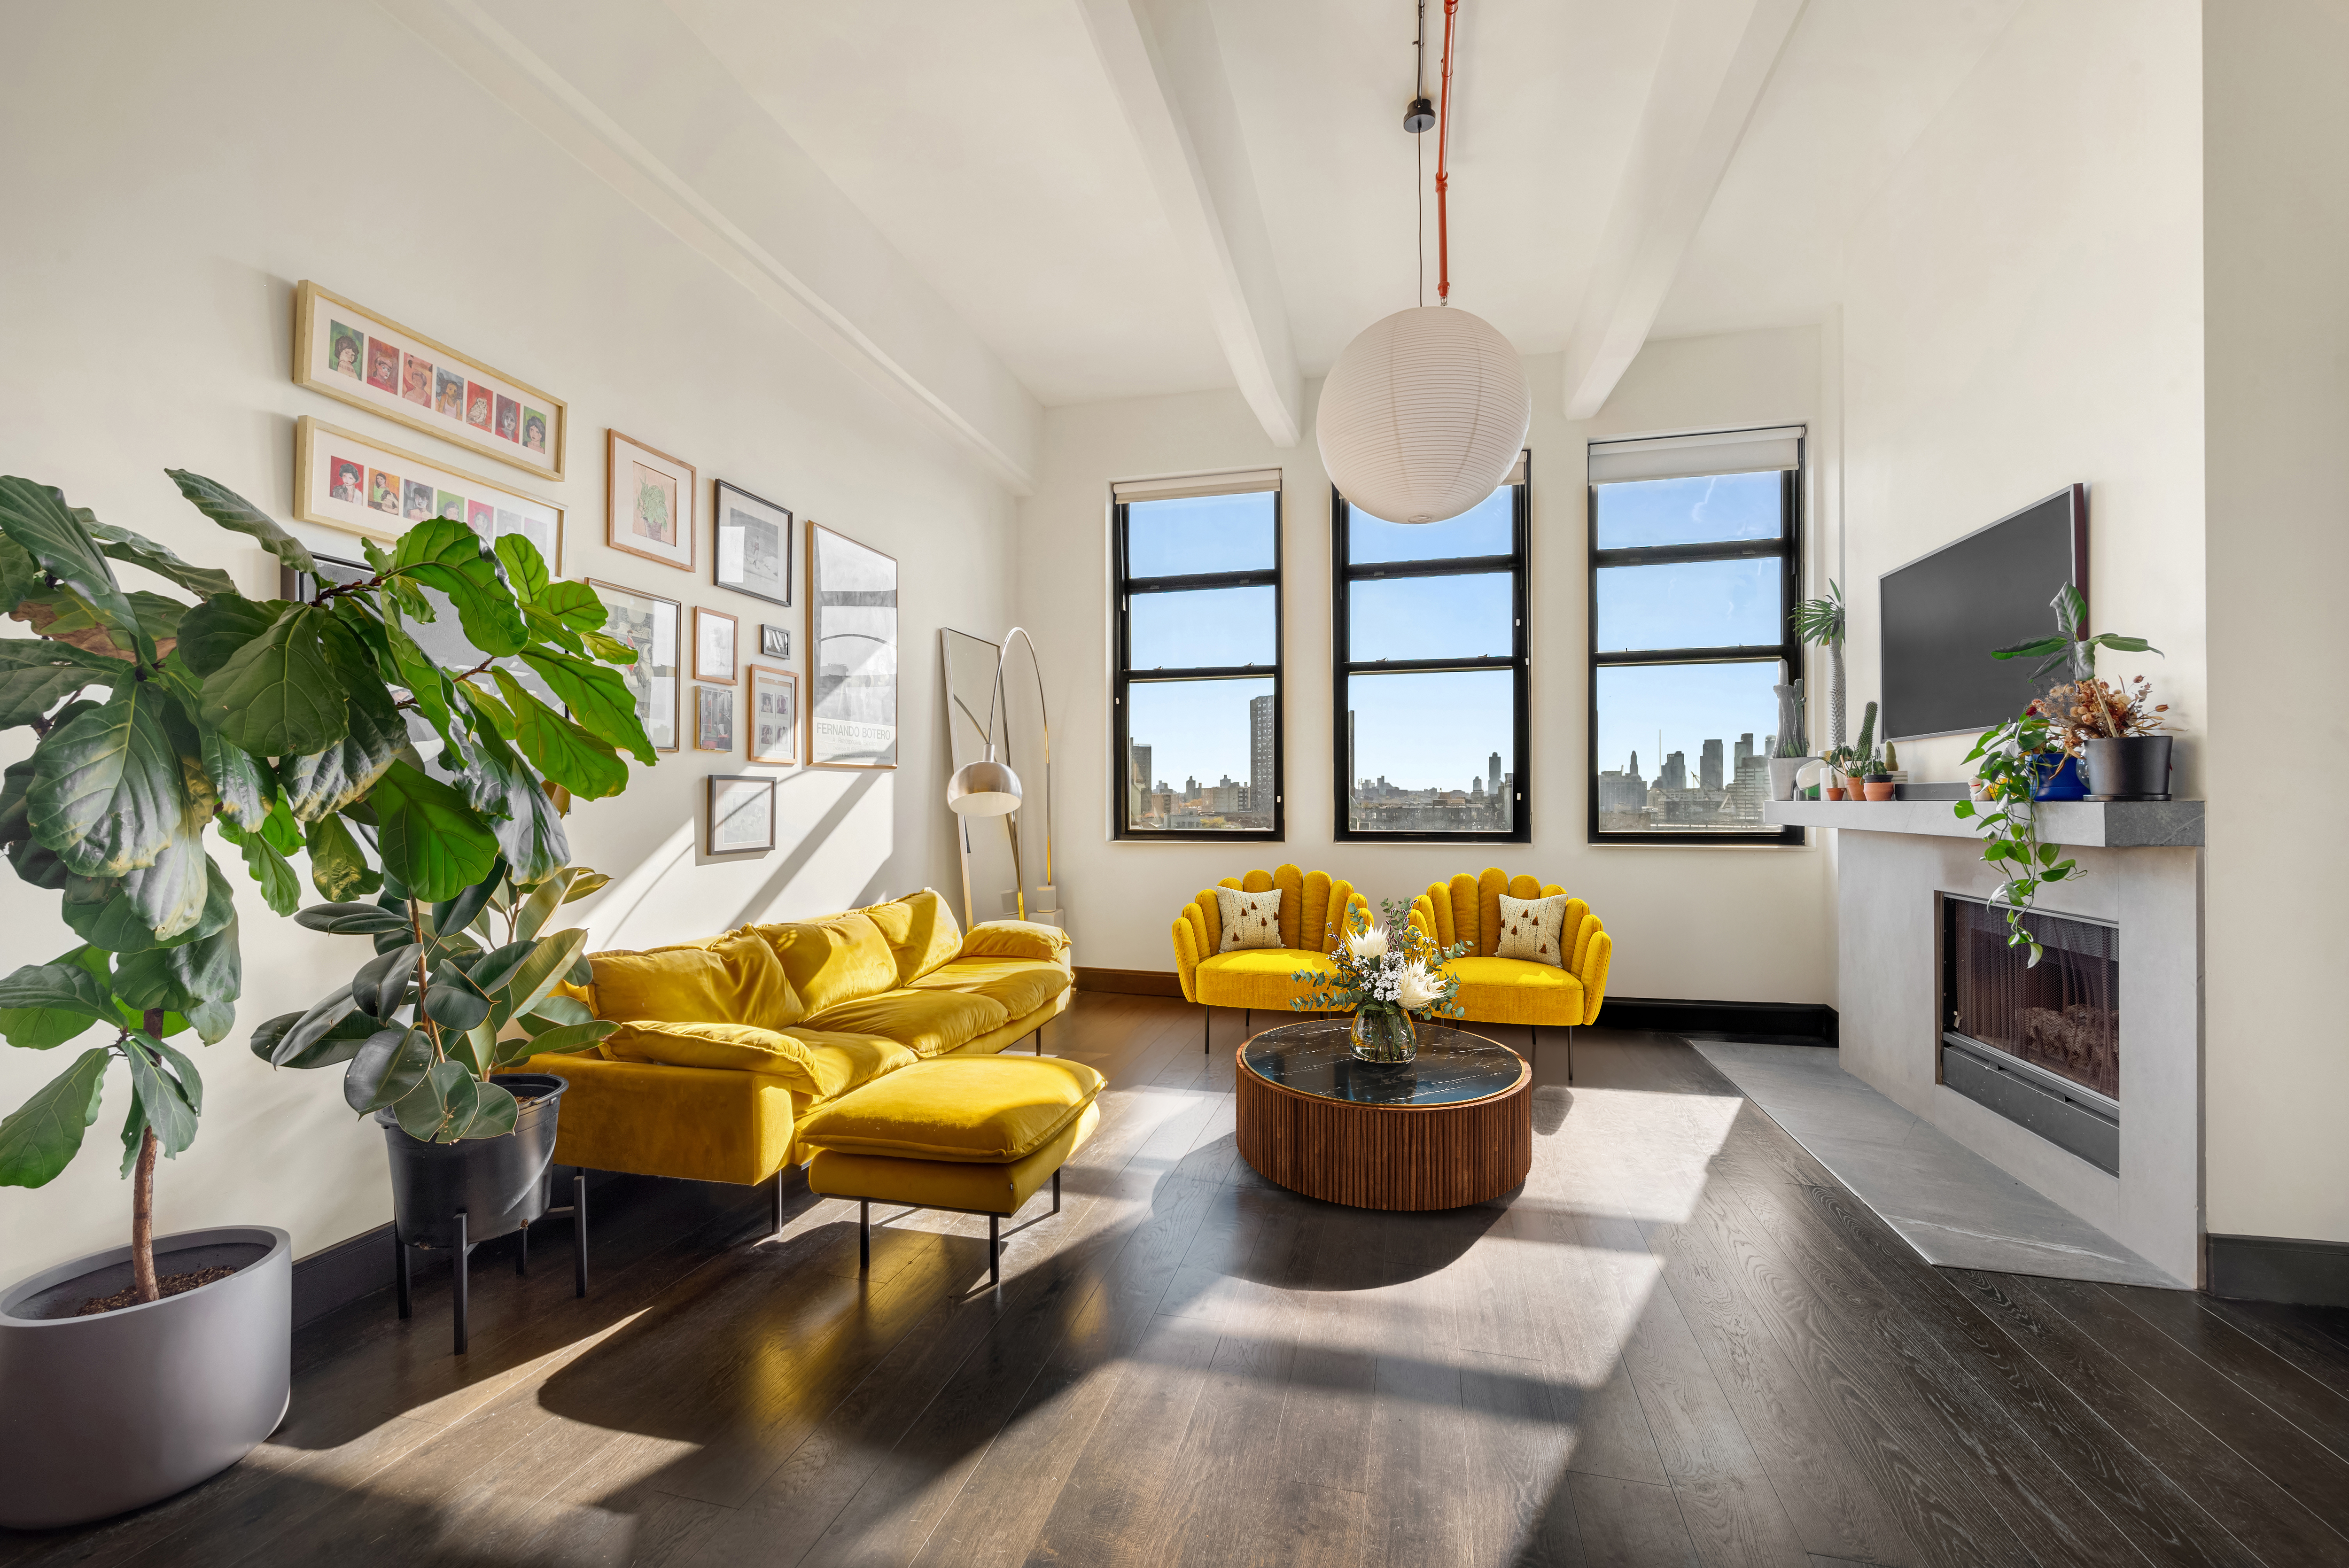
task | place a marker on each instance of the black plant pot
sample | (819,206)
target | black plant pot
(2135,767)
(500,1183)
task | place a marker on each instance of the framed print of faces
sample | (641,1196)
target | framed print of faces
(649,499)
(359,485)
(754,545)
(713,719)
(852,653)
(650,625)
(773,722)
(370,361)
(714,631)
(741,815)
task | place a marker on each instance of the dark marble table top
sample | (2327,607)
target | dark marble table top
(1316,1058)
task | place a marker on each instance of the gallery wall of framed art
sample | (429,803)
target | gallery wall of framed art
(345,480)
(852,653)
(365,358)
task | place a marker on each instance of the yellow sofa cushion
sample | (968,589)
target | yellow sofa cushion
(1022,985)
(976,1110)
(835,959)
(920,930)
(927,1022)
(1513,991)
(731,979)
(989,1188)
(1257,976)
(1016,939)
(818,1063)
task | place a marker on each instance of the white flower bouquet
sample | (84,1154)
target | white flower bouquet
(1390,971)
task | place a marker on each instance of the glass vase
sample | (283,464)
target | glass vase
(1385,1035)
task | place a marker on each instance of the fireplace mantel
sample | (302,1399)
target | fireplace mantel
(2089,824)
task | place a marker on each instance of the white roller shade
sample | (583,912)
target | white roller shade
(1694,457)
(1186,486)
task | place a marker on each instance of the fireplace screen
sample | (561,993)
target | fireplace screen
(2062,1015)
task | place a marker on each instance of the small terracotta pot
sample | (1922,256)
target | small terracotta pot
(1836,792)
(1879,791)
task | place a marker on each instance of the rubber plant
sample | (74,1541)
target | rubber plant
(285,726)
(422,1024)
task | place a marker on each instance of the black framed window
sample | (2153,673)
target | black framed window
(1695,566)
(1429,636)
(1196,752)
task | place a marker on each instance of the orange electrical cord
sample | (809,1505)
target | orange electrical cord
(1443,173)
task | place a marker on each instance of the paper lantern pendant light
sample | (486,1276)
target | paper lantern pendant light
(1424,414)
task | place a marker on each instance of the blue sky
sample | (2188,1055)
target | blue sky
(1436,730)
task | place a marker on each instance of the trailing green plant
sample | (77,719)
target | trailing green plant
(2070,649)
(285,727)
(2006,819)
(1822,623)
(422,1024)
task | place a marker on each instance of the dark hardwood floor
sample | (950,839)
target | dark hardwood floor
(1681,1342)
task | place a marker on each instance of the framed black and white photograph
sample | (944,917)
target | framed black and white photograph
(741,815)
(651,625)
(714,634)
(774,641)
(772,725)
(852,653)
(754,544)
(713,719)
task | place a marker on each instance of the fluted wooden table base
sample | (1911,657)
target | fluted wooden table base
(1386,1156)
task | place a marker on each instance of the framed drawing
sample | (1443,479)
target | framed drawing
(713,719)
(852,653)
(772,721)
(648,502)
(370,361)
(741,815)
(774,641)
(356,483)
(754,545)
(713,646)
(649,625)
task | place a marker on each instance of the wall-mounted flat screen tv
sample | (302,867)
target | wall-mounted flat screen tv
(1943,613)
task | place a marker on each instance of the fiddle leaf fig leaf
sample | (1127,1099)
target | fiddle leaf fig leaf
(175,896)
(36,675)
(141,551)
(338,868)
(164,1101)
(232,510)
(525,568)
(36,517)
(45,1005)
(45,1132)
(582,763)
(245,785)
(531,834)
(107,793)
(599,699)
(277,695)
(211,632)
(429,838)
(575,605)
(444,553)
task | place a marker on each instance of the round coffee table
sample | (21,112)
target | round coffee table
(1453,1127)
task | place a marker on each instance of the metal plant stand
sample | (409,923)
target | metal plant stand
(461,1259)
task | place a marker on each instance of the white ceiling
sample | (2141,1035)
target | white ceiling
(987,144)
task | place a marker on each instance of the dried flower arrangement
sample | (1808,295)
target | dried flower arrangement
(2080,711)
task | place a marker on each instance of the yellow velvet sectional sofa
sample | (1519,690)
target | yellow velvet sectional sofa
(729,1045)
(1496,990)
(1314,911)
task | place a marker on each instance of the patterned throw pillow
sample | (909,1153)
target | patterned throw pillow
(1534,929)
(1250,919)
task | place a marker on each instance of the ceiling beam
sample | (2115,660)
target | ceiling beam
(627,90)
(1167,68)
(1718,56)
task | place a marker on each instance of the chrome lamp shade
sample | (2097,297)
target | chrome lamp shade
(983,788)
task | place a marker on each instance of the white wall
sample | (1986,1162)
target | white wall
(1750,924)
(174,171)
(2023,311)
(2276,136)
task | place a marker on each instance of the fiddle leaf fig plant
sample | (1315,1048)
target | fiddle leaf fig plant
(421,1027)
(308,729)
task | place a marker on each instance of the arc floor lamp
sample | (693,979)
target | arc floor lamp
(988,788)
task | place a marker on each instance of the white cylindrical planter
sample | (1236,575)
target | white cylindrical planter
(111,1412)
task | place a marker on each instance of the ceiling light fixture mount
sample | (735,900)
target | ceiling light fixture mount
(1424,413)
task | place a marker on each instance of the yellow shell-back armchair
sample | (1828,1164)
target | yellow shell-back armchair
(1496,990)
(1313,911)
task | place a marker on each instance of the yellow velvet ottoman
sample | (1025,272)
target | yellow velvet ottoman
(976,1135)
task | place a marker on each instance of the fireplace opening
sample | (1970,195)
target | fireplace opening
(2038,1044)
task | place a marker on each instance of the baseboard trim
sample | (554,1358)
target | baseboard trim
(2279,1269)
(1131,981)
(1767,1023)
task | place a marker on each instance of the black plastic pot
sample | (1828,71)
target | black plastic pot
(2135,767)
(501,1183)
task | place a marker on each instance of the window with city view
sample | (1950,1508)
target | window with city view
(1430,638)
(1694,568)
(1198,746)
